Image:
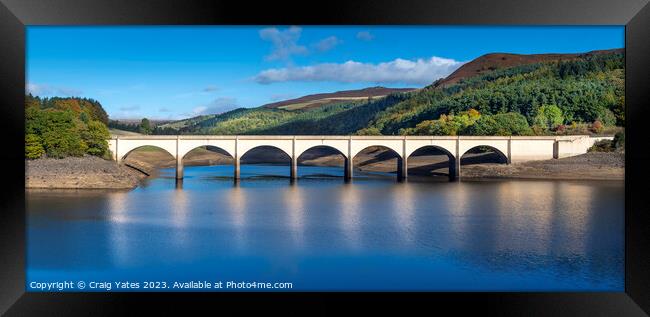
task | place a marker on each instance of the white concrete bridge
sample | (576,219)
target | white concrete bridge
(513,148)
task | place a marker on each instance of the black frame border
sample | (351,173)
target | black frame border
(634,14)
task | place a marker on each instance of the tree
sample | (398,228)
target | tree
(369,131)
(549,117)
(510,123)
(33,147)
(62,127)
(485,125)
(61,135)
(96,137)
(145,126)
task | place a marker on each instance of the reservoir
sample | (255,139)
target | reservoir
(322,234)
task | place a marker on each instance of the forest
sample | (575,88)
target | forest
(580,96)
(62,127)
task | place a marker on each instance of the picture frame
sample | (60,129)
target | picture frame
(634,14)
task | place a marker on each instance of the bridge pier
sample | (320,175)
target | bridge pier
(401,169)
(347,169)
(454,169)
(237,166)
(294,168)
(179,167)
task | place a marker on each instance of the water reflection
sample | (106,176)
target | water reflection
(403,199)
(350,215)
(327,234)
(237,209)
(179,218)
(117,209)
(293,197)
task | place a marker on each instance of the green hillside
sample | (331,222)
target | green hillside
(580,94)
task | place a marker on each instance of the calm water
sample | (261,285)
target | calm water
(323,234)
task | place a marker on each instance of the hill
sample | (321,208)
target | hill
(493,61)
(318,100)
(504,94)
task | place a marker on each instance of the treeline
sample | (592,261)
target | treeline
(548,121)
(338,122)
(585,91)
(325,119)
(144,127)
(61,127)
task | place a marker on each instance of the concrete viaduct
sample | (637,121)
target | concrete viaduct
(513,148)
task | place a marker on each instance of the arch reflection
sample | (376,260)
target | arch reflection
(403,200)
(350,215)
(237,209)
(293,199)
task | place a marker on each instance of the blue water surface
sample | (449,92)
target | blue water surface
(322,234)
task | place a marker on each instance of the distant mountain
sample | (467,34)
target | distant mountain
(319,100)
(493,61)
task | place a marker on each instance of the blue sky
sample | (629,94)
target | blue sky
(173,72)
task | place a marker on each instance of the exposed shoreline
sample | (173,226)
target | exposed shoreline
(87,172)
(95,173)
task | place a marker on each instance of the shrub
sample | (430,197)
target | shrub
(602,146)
(511,123)
(606,117)
(33,147)
(95,137)
(597,127)
(619,141)
(485,125)
(549,116)
(368,131)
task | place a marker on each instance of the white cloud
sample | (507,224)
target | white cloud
(285,43)
(219,105)
(365,36)
(49,90)
(420,71)
(327,43)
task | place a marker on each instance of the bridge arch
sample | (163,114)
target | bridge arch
(388,155)
(219,150)
(395,145)
(436,147)
(125,155)
(325,150)
(187,145)
(498,155)
(126,146)
(244,145)
(265,146)
(268,154)
(450,164)
(337,151)
(499,144)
